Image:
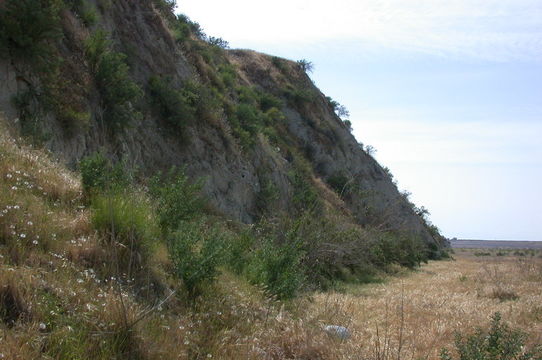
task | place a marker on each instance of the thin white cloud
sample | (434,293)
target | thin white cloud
(492,29)
(477,142)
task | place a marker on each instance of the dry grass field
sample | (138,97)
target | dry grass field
(416,314)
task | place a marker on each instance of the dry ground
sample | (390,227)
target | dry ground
(416,314)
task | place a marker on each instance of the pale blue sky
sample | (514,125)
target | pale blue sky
(448,91)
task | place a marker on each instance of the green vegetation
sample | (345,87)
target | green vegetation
(119,93)
(221,43)
(166,7)
(127,225)
(178,199)
(196,251)
(277,268)
(340,183)
(27,28)
(305,196)
(176,107)
(279,64)
(181,105)
(98,174)
(298,96)
(85,10)
(29,33)
(257,112)
(340,110)
(305,65)
(499,342)
(228,75)
(268,193)
(185,27)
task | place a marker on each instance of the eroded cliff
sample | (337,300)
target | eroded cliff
(254,127)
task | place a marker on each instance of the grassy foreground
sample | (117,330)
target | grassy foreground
(66,294)
(418,313)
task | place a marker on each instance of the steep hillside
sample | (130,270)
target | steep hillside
(129,79)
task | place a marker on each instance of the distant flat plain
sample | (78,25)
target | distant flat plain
(495,244)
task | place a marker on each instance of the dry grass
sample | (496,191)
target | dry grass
(40,202)
(414,316)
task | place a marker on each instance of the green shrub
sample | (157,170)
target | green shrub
(498,343)
(85,10)
(176,107)
(249,118)
(247,95)
(268,193)
(277,268)
(298,96)
(305,197)
(239,251)
(27,27)
(256,112)
(178,200)
(28,31)
(268,101)
(340,183)
(399,248)
(30,111)
(87,13)
(246,122)
(111,73)
(194,27)
(127,225)
(196,251)
(166,7)
(98,174)
(181,29)
(228,75)
(280,64)
(340,110)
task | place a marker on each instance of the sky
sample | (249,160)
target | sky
(449,92)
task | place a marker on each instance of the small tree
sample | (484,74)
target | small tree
(306,65)
(370,150)
(221,43)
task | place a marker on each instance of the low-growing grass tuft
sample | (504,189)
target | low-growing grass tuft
(128,229)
